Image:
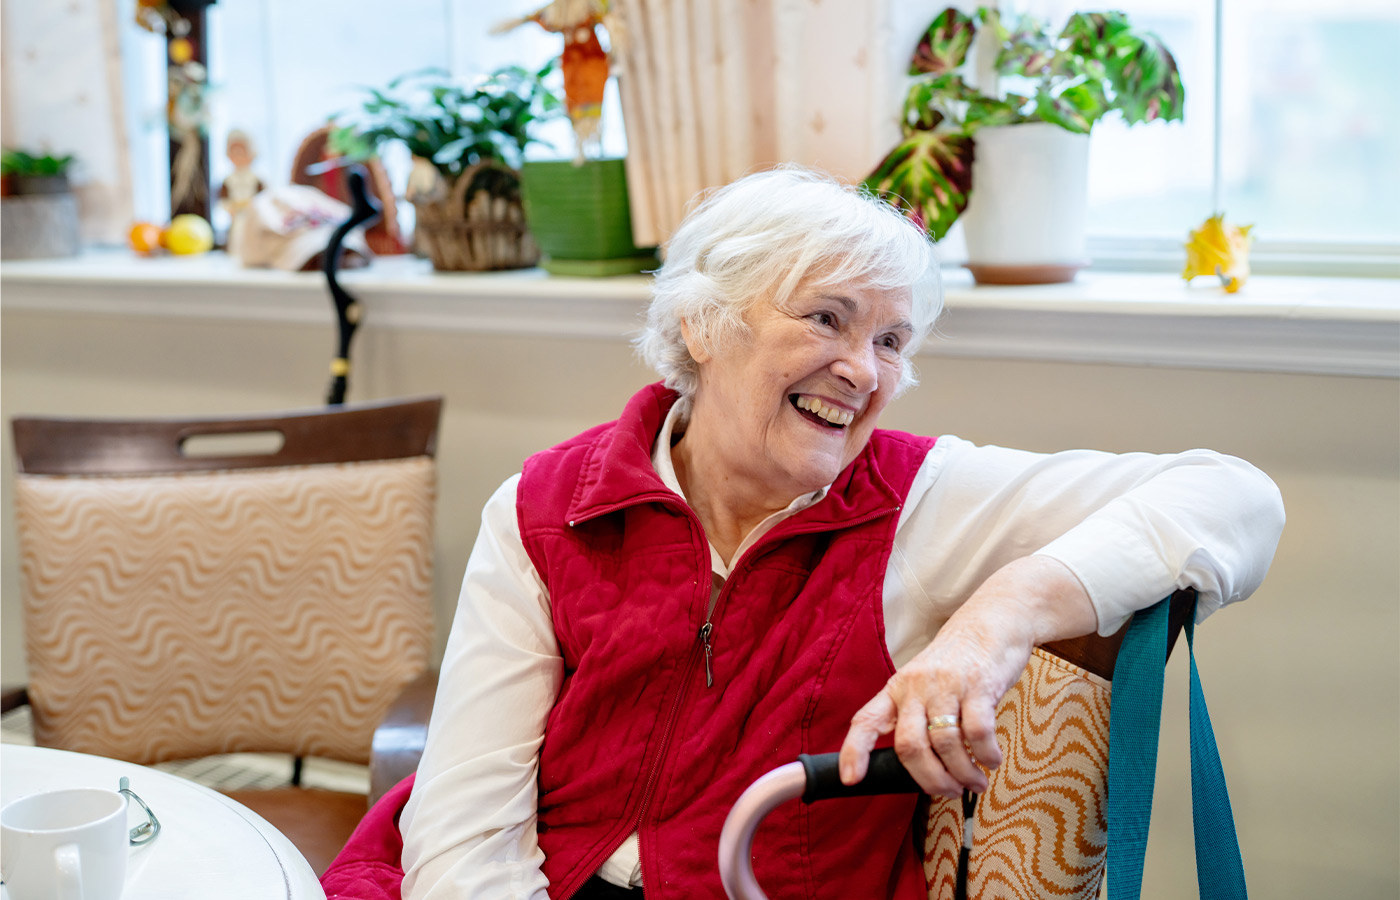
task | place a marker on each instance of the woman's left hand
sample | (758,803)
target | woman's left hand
(961,677)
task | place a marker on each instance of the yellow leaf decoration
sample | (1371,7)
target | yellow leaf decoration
(1219,249)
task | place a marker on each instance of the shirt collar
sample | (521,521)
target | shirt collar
(666,471)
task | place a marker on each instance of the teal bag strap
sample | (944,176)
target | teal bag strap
(1135,722)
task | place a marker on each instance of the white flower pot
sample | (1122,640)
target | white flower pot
(1024,223)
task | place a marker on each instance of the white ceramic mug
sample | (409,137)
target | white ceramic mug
(68,844)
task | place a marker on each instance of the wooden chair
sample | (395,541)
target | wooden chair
(180,605)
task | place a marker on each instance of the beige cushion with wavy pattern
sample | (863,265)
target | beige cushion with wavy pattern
(1041,829)
(273,610)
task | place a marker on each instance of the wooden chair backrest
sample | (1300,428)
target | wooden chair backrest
(283,596)
(389,430)
(1099,654)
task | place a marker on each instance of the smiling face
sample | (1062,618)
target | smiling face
(784,410)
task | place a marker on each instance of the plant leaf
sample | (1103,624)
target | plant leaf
(426,72)
(1145,79)
(19,162)
(383,101)
(920,114)
(345,141)
(1028,50)
(983,112)
(1091,34)
(929,176)
(1058,111)
(930,100)
(453,152)
(1089,98)
(990,17)
(452,125)
(944,45)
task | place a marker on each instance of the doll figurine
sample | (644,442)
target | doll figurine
(239,188)
(584,62)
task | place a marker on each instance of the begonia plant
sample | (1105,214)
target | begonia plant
(1097,64)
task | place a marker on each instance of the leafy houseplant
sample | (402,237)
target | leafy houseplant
(1095,65)
(468,144)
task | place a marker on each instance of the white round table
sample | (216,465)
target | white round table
(209,846)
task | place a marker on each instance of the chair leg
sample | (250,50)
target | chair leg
(14,698)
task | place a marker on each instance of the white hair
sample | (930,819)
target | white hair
(761,236)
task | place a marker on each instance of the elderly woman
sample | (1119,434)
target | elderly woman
(743,568)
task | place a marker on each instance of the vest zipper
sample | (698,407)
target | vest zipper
(661,754)
(708,629)
(705,631)
(664,750)
(656,767)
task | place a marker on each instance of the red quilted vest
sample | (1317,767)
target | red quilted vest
(637,741)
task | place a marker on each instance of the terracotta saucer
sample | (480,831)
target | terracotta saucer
(1036,273)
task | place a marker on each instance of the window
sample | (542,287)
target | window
(1305,147)
(1312,140)
(1307,141)
(277,70)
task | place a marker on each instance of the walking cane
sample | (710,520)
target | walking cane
(347,309)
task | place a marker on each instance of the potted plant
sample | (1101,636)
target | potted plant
(579,209)
(467,145)
(581,215)
(40,213)
(1020,136)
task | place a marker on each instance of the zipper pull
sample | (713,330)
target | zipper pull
(705,631)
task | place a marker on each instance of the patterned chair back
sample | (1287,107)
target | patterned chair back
(178,606)
(1041,828)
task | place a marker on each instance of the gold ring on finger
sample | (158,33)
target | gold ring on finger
(939,722)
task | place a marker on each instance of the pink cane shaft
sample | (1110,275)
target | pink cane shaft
(736,838)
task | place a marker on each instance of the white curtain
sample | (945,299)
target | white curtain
(63,94)
(713,89)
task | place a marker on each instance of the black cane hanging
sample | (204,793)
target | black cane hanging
(347,309)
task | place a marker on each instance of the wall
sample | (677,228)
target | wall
(63,72)
(1303,680)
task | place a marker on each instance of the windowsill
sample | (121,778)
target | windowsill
(1343,326)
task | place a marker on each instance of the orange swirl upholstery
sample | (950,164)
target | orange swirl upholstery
(1040,828)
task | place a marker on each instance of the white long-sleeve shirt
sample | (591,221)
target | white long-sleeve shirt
(1132,527)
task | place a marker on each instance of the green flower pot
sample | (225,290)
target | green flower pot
(580,217)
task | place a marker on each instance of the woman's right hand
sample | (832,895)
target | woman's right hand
(963,673)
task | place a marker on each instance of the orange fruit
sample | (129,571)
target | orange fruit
(144,237)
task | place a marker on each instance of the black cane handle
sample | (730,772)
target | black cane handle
(885,775)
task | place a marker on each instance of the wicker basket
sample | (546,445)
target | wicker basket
(480,226)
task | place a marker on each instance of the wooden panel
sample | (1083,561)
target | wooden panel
(390,430)
(401,736)
(1099,654)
